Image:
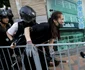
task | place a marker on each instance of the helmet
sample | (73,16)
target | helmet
(9,12)
(27,14)
(3,14)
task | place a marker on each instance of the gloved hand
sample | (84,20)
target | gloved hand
(30,49)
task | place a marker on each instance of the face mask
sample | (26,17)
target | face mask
(59,25)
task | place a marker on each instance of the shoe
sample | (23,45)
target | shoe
(56,63)
(82,54)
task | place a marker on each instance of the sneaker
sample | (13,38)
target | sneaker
(56,63)
(82,54)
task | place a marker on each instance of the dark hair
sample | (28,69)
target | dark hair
(54,29)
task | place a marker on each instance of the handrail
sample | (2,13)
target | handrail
(58,44)
(61,44)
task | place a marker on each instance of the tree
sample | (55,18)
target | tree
(4,2)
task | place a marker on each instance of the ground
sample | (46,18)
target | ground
(74,59)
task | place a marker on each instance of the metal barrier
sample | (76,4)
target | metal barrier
(13,59)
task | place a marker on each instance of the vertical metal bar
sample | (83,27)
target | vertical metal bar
(45,58)
(29,62)
(36,59)
(52,56)
(10,58)
(61,59)
(23,66)
(78,57)
(16,59)
(5,59)
(28,59)
(69,58)
(21,55)
(1,63)
(53,62)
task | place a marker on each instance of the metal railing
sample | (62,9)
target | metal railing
(13,59)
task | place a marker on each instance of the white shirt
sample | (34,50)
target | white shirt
(13,29)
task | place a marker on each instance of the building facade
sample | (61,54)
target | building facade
(37,5)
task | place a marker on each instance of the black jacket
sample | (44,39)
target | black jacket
(39,33)
(4,41)
(19,38)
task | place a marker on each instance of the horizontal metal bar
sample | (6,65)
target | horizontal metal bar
(58,44)
(61,44)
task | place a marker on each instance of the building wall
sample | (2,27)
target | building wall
(14,8)
(83,7)
(37,5)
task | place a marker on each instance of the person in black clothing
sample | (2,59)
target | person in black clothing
(37,34)
(10,16)
(28,16)
(4,40)
(4,25)
(43,32)
(15,32)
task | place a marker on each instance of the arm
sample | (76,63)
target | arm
(12,30)
(30,48)
(51,41)
(9,36)
(27,34)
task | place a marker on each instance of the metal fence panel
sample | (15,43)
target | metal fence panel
(16,58)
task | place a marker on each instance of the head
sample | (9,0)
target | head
(27,14)
(5,20)
(57,18)
(4,17)
(55,21)
(9,12)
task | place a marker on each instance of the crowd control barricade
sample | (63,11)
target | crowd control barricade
(10,59)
